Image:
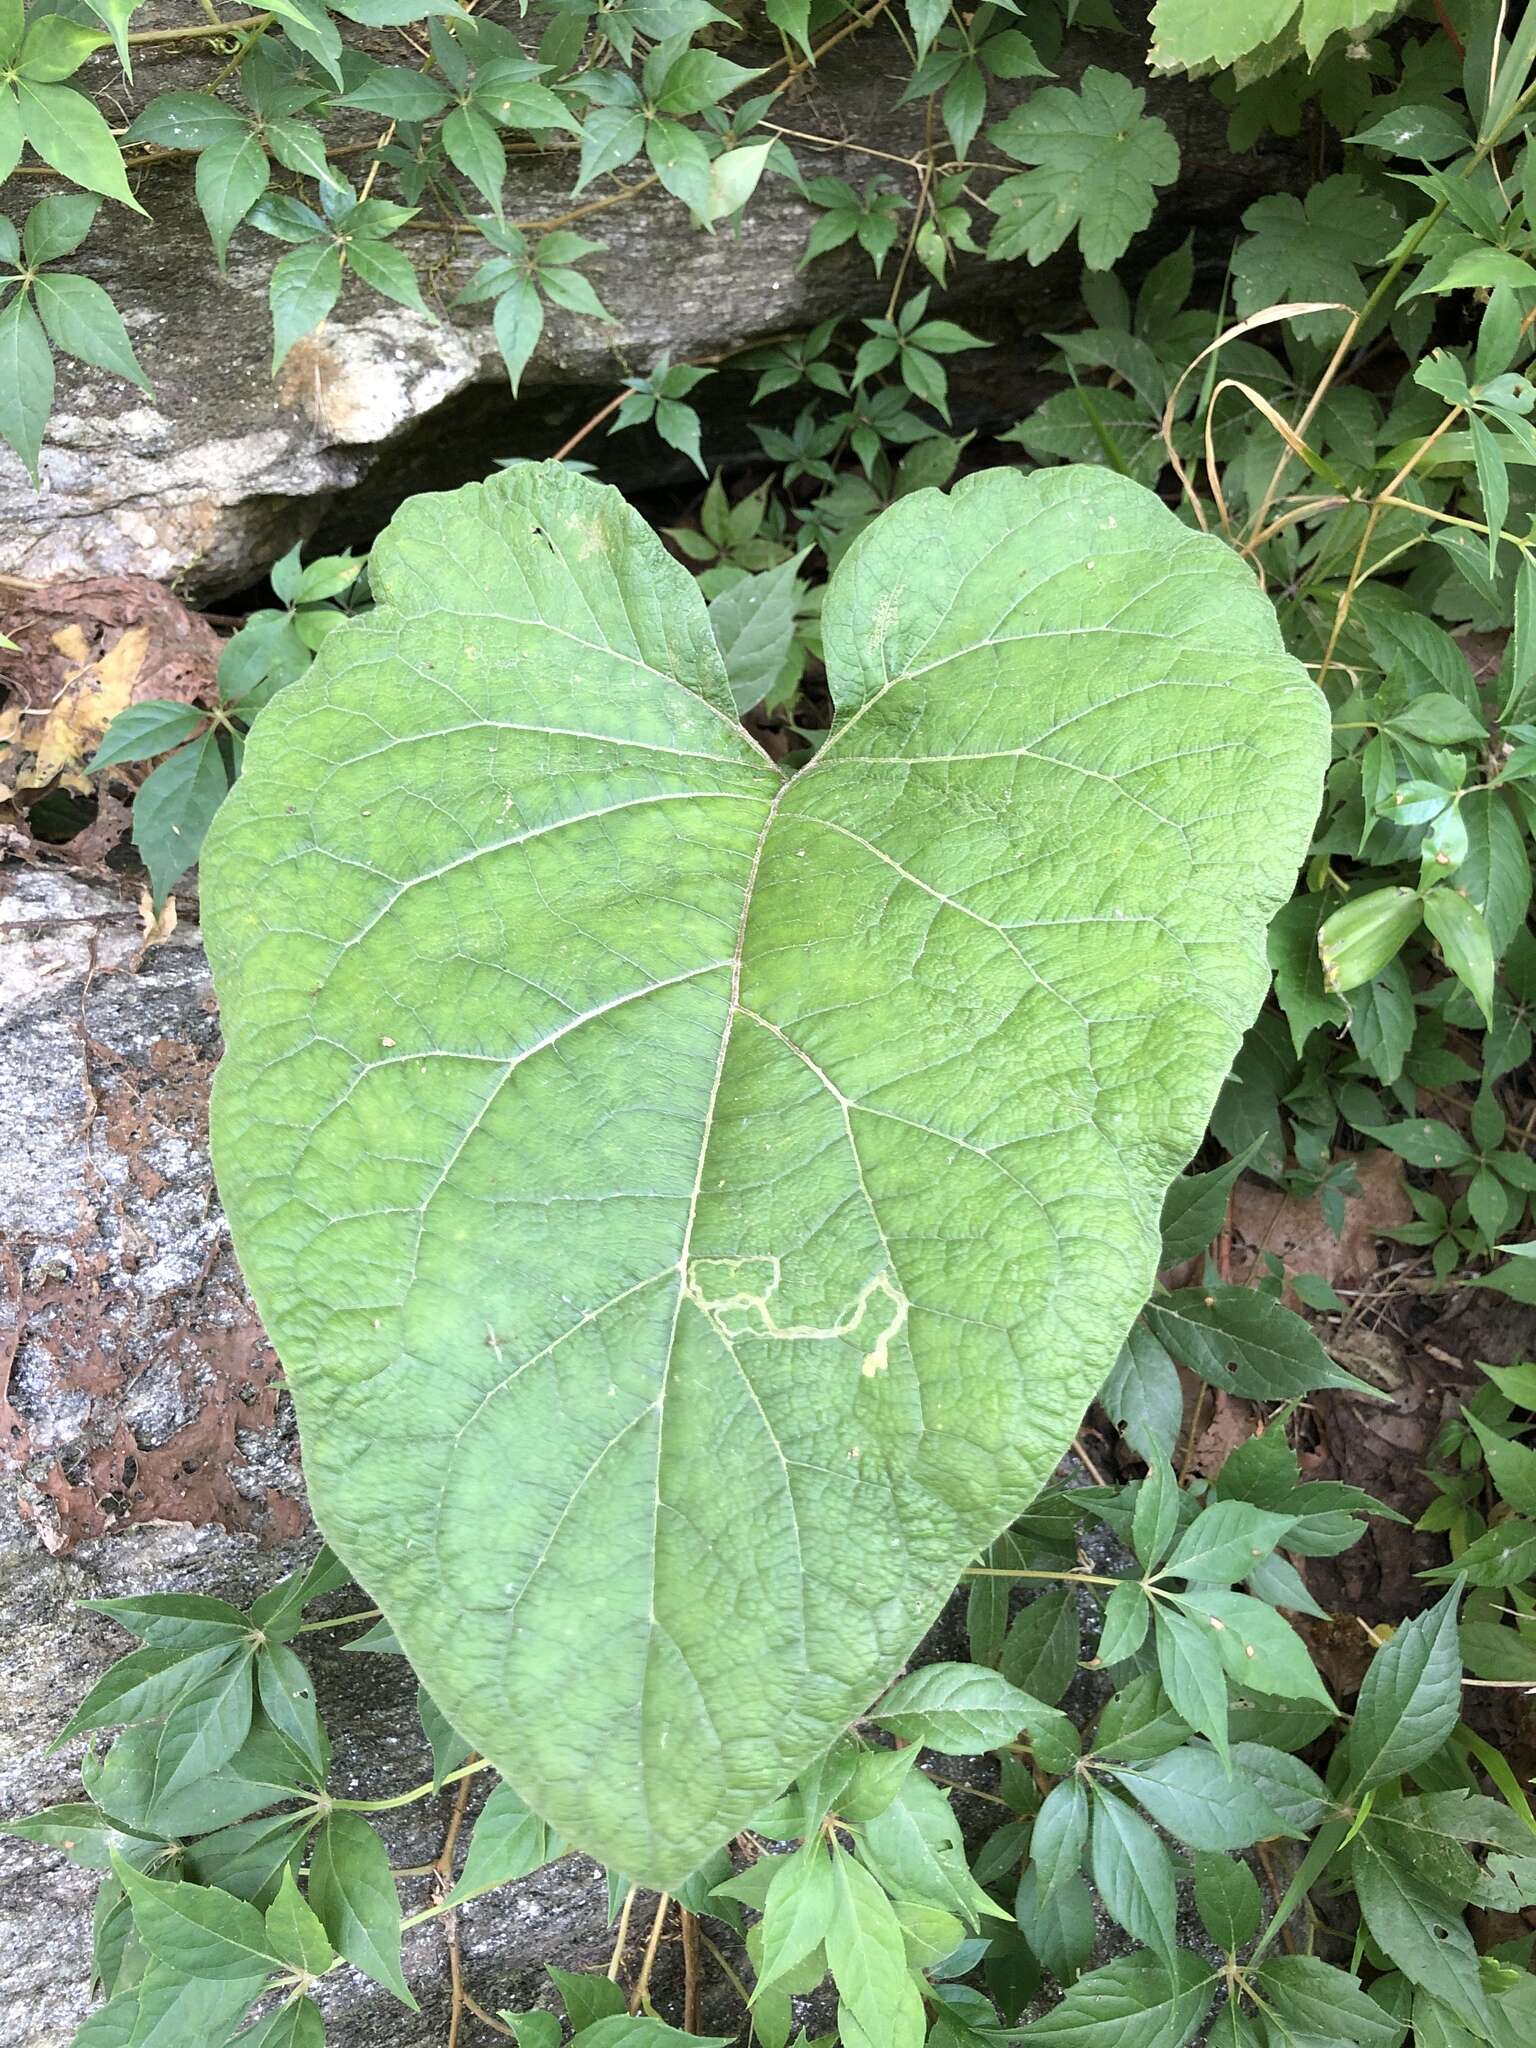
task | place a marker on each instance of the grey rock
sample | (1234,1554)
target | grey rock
(211,478)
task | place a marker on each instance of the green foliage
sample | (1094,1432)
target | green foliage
(44,306)
(1141,1720)
(519,280)
(64,128)
(702,1289)
(200,1919)
(1190,34)
(178,800)
(1099,160)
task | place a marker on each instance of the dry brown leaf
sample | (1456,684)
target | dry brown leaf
(92,696)
(84,652)
(158,927)
(1229,1425)
(1296,1231)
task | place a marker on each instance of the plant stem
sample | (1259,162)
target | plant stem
(259,25)
(908,163)
(199,32)
(309,1628)
(1357,569)
(1452,519)
(616,1960)
(640,1997)
(442,1878)
(919,209)
(849,28)
(734,1981)
(959,1785)
(987,1571)
(409,1798)
(1383,285)
(690,1927)
(487,2019)
(586,428)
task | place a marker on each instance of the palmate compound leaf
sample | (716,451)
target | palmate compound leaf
(694,1207)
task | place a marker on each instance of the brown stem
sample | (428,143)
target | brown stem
(918,211)
(582,432)
(1080,1449)
(1194,1434)
(909,163)
(487,2019)
(849,28)
(640,1997)
(690,1926)
(377,165)
(616,1960)
(442,1878)
(1455,40)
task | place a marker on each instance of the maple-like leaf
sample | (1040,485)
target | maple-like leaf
(1098,162)
(1312,249)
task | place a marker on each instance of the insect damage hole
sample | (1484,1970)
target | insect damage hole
(736,1294)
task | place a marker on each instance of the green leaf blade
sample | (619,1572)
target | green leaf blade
(82,320)
(1410,1700)
(26,380)
(352,1892)
(203,1932)
(68,132)
(623,1364)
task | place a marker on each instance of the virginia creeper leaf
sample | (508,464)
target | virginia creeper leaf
(693,1206)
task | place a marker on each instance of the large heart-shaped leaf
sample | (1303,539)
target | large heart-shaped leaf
(694,1206)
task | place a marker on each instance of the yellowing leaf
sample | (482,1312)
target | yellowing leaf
(72,729)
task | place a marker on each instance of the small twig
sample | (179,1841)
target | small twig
(849,28)
(735,1982)
(1455,40)
(616,1960)
(378,162)
(582,432)
(199,32)
(958,1785)
(259,26)
(563,220)
(442,1878)
(640,1997)
(908,163)
(1275,1891)
(444,1861)
(1081,1451)
(1224,1240)
(1194,1435)
(308,1628)
(690,1927)
(919,210)
(486,2019)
